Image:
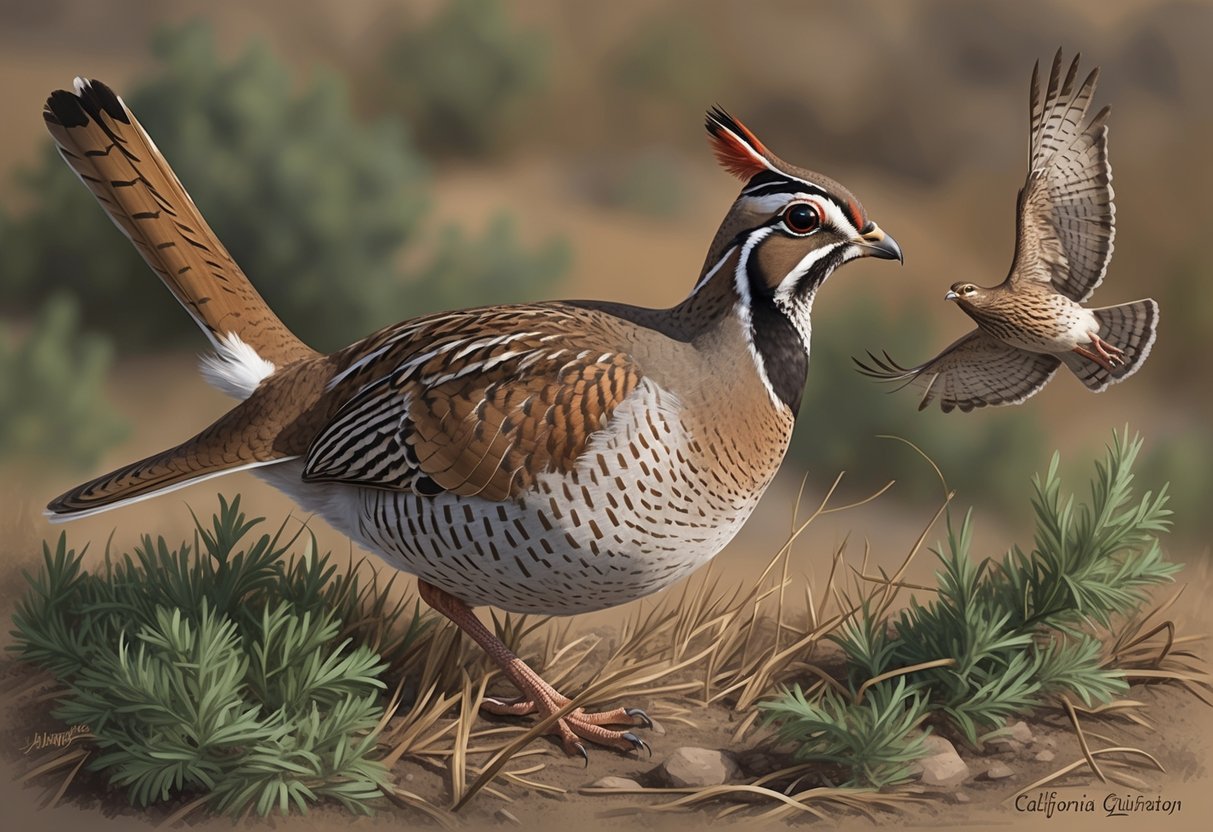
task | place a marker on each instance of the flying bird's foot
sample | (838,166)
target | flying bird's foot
(1101,358)
(538,696)
(1113,355)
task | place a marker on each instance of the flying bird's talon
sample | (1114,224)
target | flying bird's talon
(638,713)
(637,742)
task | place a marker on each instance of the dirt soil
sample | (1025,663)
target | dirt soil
(1180,740)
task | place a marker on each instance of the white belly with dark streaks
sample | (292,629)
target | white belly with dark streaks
(635,515)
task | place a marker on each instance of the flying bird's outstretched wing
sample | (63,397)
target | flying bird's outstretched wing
(974,371)
(1065,219)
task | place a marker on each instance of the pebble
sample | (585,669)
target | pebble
(942,766)
(698,768)
(1020,732)
(998,771)
(1045,756)
(612,782)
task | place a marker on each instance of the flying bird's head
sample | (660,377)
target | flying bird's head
(964,294)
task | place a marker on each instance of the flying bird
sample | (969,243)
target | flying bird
(553,457)
(1034,321)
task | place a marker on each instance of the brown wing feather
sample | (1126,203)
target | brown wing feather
(108,149)
(974,371)
(471,403)
(492,440)
(1065,217)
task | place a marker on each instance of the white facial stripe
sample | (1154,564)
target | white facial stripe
(711,272)
(787,286)
(838,218)
(742,309)
(829,210)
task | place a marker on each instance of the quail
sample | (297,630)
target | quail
(1034,321)
(553,457)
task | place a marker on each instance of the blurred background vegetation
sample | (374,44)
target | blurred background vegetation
(366,163)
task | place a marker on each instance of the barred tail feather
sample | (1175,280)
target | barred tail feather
(1132,327)
(108,149)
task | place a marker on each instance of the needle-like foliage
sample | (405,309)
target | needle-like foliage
(230,670)
(1000,636)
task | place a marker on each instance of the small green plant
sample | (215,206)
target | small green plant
(229,671)
(999,638)
(52,405)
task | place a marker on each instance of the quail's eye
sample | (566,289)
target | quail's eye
(801,218)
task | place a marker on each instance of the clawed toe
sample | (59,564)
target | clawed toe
(638,713)
(637,742)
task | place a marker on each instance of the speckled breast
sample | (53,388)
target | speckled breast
(652,498)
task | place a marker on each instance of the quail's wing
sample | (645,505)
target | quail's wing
(1066,219)
(975,371)
(473,403)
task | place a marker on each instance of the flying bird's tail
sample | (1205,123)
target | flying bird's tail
(108,149)
(1130,327)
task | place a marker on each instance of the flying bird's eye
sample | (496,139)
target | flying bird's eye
(801,218)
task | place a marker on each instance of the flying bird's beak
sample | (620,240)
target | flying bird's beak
(951,295)
(875,243)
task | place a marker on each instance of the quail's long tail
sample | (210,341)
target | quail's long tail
(107,148)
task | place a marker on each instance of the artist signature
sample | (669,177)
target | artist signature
(1110,805)
(59,739)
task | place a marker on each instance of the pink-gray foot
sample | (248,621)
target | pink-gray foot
(538,696)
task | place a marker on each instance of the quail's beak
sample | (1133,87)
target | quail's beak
(875,243)
(951,295)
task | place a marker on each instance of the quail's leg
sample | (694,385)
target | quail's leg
(538,696)
(1110,353)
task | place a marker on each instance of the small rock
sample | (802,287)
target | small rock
(998,771)
(698,767)
(657,728)
(506,816)
(942,766)
(408,778)
(961,797)
(1020,732)
(1045,756)
(936,744)
(612,782)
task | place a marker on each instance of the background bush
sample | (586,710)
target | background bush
(53,411)
(462,77)
(317,207)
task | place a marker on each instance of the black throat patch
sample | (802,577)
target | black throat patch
(783,354)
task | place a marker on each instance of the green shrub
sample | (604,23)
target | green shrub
(229,669)
(1004,635)
(463,77)
(318,208)
(53,411)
